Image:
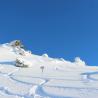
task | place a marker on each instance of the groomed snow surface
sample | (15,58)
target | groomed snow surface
(58,79)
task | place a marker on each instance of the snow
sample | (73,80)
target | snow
(59,79)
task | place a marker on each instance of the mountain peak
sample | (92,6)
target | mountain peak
(16,43)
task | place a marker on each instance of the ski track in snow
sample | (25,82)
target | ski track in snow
(36,91)
(33,91)
(87,76)
(5,89)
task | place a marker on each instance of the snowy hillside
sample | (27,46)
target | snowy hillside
(44,77)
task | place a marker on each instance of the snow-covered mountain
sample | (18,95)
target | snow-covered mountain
(43,76)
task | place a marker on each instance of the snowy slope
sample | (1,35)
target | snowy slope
(59,79)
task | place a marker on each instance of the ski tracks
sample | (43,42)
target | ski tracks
(5,90)
(32,93)
(87,76)
(35,90)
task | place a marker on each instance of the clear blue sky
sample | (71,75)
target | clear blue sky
(61,28)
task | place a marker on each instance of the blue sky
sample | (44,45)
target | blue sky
(61,28)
